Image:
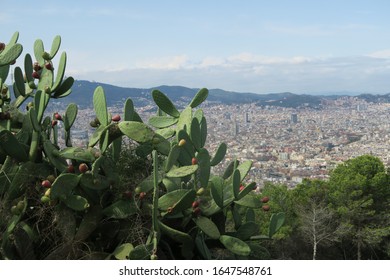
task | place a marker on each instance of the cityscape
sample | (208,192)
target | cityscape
(286,145)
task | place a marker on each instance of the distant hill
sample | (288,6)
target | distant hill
(83,92)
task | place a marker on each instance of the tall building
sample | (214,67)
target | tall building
(236,129)
(247,117)
(294,118)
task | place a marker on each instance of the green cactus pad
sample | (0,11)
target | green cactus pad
(236,217)
(176,235)
(28,67)
(249,201)
(34,120)
(46,80)
(204,166)
(182,171)
(250,215)
(79,154)
(176,201)
(54,157)
(164,103)
(235,245)
(146,185)
(195,134)
(217,190)
(199,97)
(162,121)
(41,99)
(100,106)
(171,184)
(70,115)
(128,111)
(202,247)
(116,149)
(12,147)
(65,88)
(185,120)
(63,186)
(172,157)
(188,149)
(89,223)
(94,139)
(26,175)
(160,144)
(276,222)
(219,154)
(229,169)
(141,252)
(247,230)
(122,252)
(55,46)
(144,150)
(244,168)
(121,209)
(38,51)
(203,131)
(199,115)
(208,227)
(166,132)
(236,183)
(97,182)
(76,202)
(19,81)
(4,71)
(60,73)
(137,131)
(247,189)
(10,54)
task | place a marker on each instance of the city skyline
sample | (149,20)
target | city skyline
(251,46)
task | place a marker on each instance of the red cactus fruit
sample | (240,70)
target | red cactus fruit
(242,187)
(36,75)
(265,199)
(142,195)
(194,161)
(54,123)
(36,67)
(2,46)
(49,66)
(266,207)
(116,118)
(70,169)
(83,168)
(195,204)
(57,117)
(46,184)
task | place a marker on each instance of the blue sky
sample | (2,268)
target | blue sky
(248,46)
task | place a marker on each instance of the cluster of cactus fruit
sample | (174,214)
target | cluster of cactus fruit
(189,207)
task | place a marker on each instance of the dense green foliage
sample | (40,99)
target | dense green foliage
(346,217)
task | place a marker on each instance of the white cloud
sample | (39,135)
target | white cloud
(380,54)
(254,73)
(168,63)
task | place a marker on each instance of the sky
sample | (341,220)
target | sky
(247,45)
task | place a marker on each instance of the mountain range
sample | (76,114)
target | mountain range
(82,93)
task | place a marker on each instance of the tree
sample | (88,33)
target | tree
(360,195)
(316,221)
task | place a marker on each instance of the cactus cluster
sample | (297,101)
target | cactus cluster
(189,207)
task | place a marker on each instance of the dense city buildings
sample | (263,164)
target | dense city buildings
(286,145)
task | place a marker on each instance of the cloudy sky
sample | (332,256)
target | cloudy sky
(245,45)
